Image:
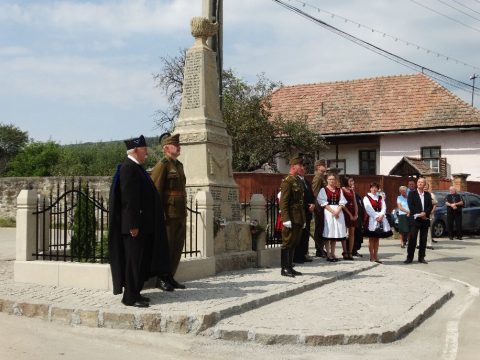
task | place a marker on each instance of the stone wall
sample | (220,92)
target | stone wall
(10,188)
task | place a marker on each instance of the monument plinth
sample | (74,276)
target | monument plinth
(206,145)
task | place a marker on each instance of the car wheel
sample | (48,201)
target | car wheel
(438,229)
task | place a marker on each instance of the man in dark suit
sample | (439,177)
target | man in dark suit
(301,250)
(133,226)
(420,206)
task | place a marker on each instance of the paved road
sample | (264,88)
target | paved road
(452,333)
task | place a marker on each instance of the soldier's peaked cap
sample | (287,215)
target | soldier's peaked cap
(168,139)
(136,142)
(296,159)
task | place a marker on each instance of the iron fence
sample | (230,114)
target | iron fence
(190,247)
(273,231)
(73,225)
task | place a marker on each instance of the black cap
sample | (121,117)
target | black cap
(136,142)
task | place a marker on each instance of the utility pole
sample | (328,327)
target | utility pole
(473,77)
(213,10)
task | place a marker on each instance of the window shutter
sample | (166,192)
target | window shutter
(443,167)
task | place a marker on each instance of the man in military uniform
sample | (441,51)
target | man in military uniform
(293,215)
(318,182)
(301,250)
(169,179)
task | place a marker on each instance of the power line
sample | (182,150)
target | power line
(465,6)
(457,9)
(395,38)
(407,63)
(446,16)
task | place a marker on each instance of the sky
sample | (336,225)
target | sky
(81,71)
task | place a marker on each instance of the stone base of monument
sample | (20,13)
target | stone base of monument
(233,247)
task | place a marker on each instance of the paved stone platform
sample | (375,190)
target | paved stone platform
(381,304)
(200,306)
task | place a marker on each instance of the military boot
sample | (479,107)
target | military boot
(285,261)
(290,263)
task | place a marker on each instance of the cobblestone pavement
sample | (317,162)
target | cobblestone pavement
(370,307)
(231,305)
(201,305)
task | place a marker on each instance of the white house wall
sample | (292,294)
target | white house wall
(461,149)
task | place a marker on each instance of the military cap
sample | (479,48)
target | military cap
(168,139)
(320,163)
(296,159)
(135,142)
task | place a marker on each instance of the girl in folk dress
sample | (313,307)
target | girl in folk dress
(378,226)
(331,199)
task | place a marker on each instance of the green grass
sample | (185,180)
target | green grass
(7,222)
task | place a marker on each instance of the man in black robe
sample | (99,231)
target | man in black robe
(137,238)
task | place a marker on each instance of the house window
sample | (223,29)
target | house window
(368,162)
(340,164)
(431,157)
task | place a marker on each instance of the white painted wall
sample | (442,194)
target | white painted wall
(462,150)
(349,152)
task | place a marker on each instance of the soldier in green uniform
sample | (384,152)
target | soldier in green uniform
(319,182)
(169,179)
(293,215)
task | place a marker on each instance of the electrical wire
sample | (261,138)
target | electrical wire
(466,7)
(446,16)
(395,38)
(457,9)
(398,59)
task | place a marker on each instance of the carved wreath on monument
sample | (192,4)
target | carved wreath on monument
(201,27)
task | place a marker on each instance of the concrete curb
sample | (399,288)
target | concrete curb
(141,319)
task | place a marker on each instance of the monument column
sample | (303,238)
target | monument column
(206,147)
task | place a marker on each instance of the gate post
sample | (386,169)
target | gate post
(26,225)
(205,233)
(257,212)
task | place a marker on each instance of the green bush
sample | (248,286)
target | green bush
(7,222)
(84,226)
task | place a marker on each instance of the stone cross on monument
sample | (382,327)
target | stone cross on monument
(206,146)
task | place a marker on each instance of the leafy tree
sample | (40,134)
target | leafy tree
(12,140)
(256,137)
(36,159)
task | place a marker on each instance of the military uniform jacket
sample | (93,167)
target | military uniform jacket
(169,179)
(317,183)
(291,200)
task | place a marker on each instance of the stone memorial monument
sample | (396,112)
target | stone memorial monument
(206,146)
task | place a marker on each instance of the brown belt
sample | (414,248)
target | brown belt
(177,193)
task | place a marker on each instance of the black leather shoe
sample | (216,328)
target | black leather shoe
(139,304)
(434,241)
(175,284)
(422,261)
(287,272)
(319,254)
(164,285)
(408,261)
(295,272)
(459,238)
(144,299)
(308,259)
(357,254)
(430,247)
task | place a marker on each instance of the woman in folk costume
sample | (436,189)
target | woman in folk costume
(377,225)
(331,199)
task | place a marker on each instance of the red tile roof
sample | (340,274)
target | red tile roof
(382,104)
